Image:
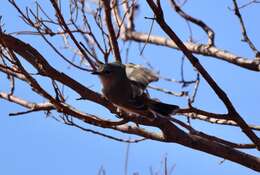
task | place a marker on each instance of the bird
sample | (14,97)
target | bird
(125,86)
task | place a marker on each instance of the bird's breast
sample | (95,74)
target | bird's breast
(118,95)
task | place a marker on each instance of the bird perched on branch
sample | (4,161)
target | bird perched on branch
(125,86)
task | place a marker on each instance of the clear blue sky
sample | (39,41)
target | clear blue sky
(33,144)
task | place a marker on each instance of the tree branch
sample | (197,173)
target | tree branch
(112,35)
(200,23)
(174,134)
(32,106)
(63,23)
(195,62)
(201,49)
(243,29)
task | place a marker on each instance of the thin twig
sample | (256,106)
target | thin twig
(249,3)
(243,29)
(149,33)
(66,28)
(200,23)
(71,123)
(181,94)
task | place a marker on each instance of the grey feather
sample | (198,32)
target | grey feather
(140,75)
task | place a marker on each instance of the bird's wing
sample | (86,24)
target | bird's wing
(140,75)
(138,99)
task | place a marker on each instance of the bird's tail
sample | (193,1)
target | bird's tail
(163,108)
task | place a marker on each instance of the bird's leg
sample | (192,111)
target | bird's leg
(122,112)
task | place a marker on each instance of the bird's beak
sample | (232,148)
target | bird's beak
(95,72)
(98,71)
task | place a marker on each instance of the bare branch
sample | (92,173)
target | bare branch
(212,138)
(130,12)
(203,25)
(112,35)
(243,29)
(216,119)
(181,94)
(12,71)
(63,23)
(249,3)
(32,106)
(72,123)
(197,142)
(195,62)
(32,56)
(94,24)
(201,49)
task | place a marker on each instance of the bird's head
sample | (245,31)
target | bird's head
(109,69)
(110,72)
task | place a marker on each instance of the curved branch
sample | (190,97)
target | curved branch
(174,134)
(217,120)
(213,138)
(200,23)
(32,106)
(45,69)
(71,123)
(201,49)
(12,71)
(243,30)
(39,63)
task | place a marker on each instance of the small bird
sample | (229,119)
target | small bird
(125,86)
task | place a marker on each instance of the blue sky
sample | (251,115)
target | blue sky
(33,144)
